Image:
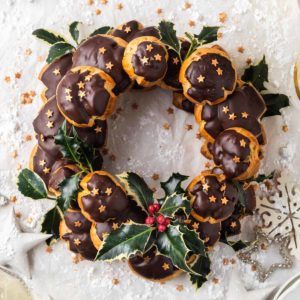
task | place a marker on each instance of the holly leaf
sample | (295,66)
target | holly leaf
(207,35)
(57,50)
(274,103)
(74,32)
(51,223)
(48,36)
(173,203)
(173,184)
(202,266)
(192,240)
(263,177)
(69,190)
(137,188)
(257,74)
(168,36)
(171,244)
(31,185)
(126,240)
(101,30)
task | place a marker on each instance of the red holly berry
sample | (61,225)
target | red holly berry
(167,221)
(149,220)
(156,207)
(161,227)
(160,219)
(151,209)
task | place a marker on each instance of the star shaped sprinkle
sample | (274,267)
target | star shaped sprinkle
(243,143)
(102,208)
(80,84)
(187,5)
(214,62)
(170,111)
(69,98)
(108,191)
(42,162)
(115,226)
(236,159)
(225,109)
(145,60)
(220,71)
(56,72)
(98,129)
(77,223)
(222,17)
(157,57)
(120,6)
(233,224)
(81,94)
(166,266)
(192,23)
(94,192)
(109,65)
(88,77)
(102,50)
(200,78)
(50,124)
(212,199)
(245,115)
(224,200)
(46,170)
(127,29)
(195,225)
(232,117)
(149,47)
(77,242)
(205,187)
(49,113)
(67,91)
(175,60)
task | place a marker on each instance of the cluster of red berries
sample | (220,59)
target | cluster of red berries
(161,221)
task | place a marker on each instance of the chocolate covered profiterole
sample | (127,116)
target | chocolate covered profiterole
(85,95)
(208,75)
(145,60)
(243,108)
(52,74)
(181,102)
(236,151)
(212,197)
(75,230)
(102,198)
(104,52)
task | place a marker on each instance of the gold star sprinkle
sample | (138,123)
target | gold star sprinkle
(222,17)
(233,224)
(187,5)
(223,188)
(50,124)
(56,72)
(179,287)
(212,199)
(108,191)
(232,117)
(115,281)
(157,57)
(243,143)
(220,71)
(46,170)
(120,6)
(166,266)
(159,11)
(102,208)
(195,225)
(104,2)
(145,60)
(175,60)
(192,23)
(98,129)
(166,126)
(201,78)
(149,47)
(77,242)
(67,91)
(80,85)
(49,113)
(81,94)
(127,29)
(102,50)
(115,226)
(109,65)
(170,111)
(88,77)
(42,162)
(69,98)
(205,187)
(225,109)
(224,200)
(241,49)
(77,223)
(214,62)
(236,159)
(245,115)
(94,192)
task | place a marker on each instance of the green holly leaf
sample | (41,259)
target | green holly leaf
(241,193)
(173,203)
(171,244)
(69,189)
(126,240)
(31,185)
(202,266)
(262,177)
(192,240)
(51,223)
(48,36)
(101,30)
(58,50)
(257,74)
(74,32)
(207,35)
(137,188)
(274,103)
(168,36)
(173,184)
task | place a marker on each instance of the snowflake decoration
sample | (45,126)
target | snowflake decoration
(280,213)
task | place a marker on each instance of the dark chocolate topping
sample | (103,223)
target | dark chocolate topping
(103,228)
(133,29)
(106,54)
(231,151)
(231,226)
(110,201)
(76,222)
(214,199)
(81,104)
(154,66)
(54,72)
(152,265)
(209,76)
(243,109)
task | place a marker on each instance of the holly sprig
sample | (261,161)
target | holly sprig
(164,228)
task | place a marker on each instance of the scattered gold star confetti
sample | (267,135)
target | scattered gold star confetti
(166,126)
(195,225)
(88,77)
(220,71)
(212,199)
(224,200)
(159,11)
(98,129)
(42,162)
(192,23)
(232,117)
(89,2)
(104,2)
(245,115)
(222,17)
(18,75)
(127,29)
(115,281)
(81,94)
(214,62)
(109,65)
(155,176)
(200,78)
(48,249)
(145,60)
(205,187)
(13,199)
(80,84)
(120,6)
(102,208)
(102,50)
(46,170)
(226,261)
(28,51)
(233,224)
(157,57)
(115,226)
(49,113)
(225,109)
(50,124)
(69,98)
(285,128)
(170,111)
(243,143)
(97,11)
(241,49)
(166,266)
(187,5)
(27,138)
(7,79)
(68,91)
(175,60)
(179,287)
(215,280)
(77,242)
(236,159)
(188,127)
(219,35)
(108,191)
(249,61)
(56,72)
(94,192)
(149,47)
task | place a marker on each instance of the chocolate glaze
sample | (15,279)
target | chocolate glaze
(226,147)
(204,207)
(150,265)
(181,102)
(136,30)
(154,69)
(244,99)
(231,226)
(87,54)
(212,88)
(114,204)
(79,237)
(93,104)
(49,79)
